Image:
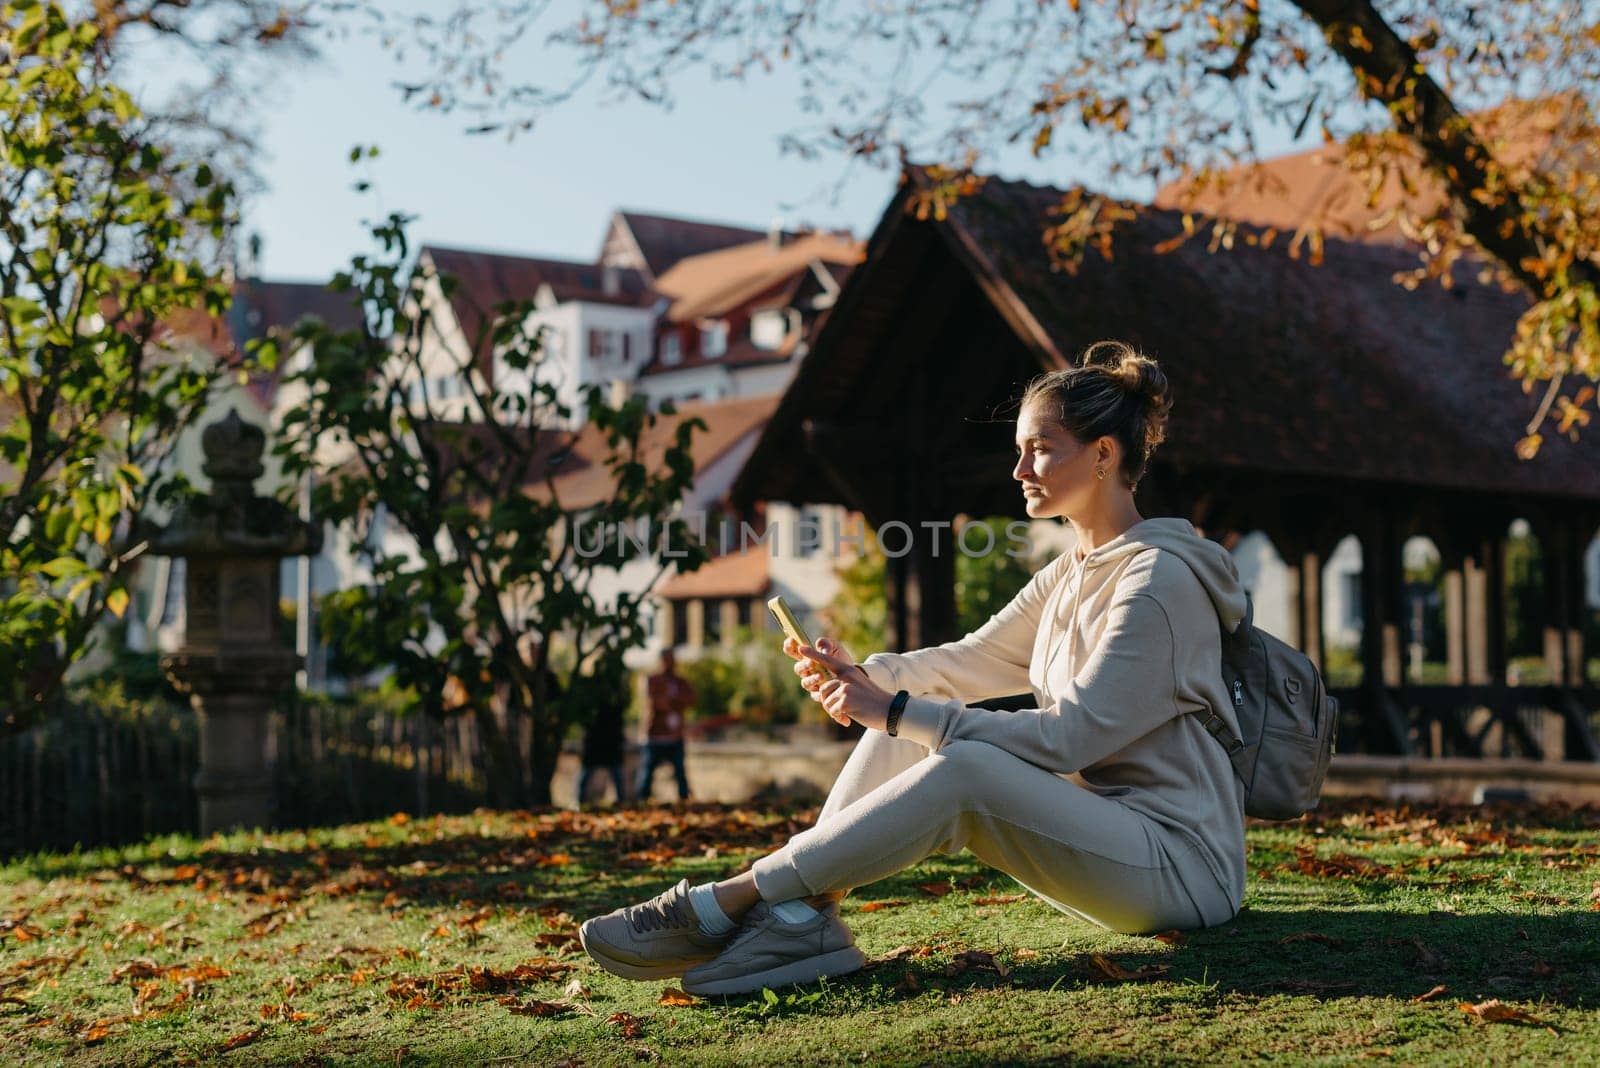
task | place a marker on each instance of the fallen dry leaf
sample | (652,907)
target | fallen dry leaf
(1427,959)
(1437,991)
(1172,938)
(1496,1011)
(631,1026)
(938,889)
(1000,899)
(673,996)
(243,1038)
(536,1008)
(1310,936)
(875,906)
(575,989)
(1025,954)
(1114,971)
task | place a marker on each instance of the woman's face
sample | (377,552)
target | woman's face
(1056,470)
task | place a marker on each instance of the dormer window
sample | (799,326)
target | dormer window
(713,338)
(768,328)
(671,349)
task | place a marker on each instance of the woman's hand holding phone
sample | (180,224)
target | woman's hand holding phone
(849,694)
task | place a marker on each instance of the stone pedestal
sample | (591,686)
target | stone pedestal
(233,663)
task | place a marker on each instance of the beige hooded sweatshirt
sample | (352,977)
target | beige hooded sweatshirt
(1119,648)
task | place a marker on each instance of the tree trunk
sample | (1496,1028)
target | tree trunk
(544,751)
(501,767)
(1388,70)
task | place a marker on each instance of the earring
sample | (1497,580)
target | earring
(1100,473)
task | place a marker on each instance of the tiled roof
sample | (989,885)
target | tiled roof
(718,282)
(1291,191)
(663,240)
(738,574)
(1277,366)
(262,307)
(1280,365)
(489,278)
(582,479)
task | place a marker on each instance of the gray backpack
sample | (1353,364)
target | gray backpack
(1287,717)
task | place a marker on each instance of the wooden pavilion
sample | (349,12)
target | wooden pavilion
(1312,403)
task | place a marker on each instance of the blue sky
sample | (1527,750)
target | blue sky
(549,192)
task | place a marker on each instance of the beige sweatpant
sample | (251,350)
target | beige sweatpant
(1089,856)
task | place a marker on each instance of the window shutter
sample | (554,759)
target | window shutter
(596,344)
(627,346)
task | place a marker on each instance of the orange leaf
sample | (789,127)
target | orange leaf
(673,996)
(1114,971)
(875,906)
(1172,938)
(1496,1011)
(536,1008)
(631,1027)
(244,1038)
(98,1031)
(938,889)
(1000,899)
(1435,992)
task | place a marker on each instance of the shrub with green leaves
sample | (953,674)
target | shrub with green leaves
(456,507)
(105,237)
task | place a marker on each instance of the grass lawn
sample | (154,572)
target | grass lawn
(451,940)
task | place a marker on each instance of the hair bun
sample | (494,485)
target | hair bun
(1141,378)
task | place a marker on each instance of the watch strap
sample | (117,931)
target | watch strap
(891,726)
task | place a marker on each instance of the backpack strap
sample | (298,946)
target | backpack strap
(1217,727)
(1236,642)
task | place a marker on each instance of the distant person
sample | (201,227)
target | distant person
(602,741)
(671,697)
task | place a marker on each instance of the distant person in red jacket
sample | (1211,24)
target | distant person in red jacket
(671,697)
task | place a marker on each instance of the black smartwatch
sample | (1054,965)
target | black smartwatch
(891,726)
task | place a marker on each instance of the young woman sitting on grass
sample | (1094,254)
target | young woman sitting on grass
(1109,800)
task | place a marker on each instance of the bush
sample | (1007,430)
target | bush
(750,679)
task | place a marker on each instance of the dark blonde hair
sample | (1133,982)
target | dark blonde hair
(1112,391)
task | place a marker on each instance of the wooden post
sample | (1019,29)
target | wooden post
(1310,601)
(1479,618)
(695,624)
(1455,628)
(1493,554)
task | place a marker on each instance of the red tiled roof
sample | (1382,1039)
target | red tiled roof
(262,307)
(738,574)
(1314,186)
(582,479)
(489,278)
(719,282)
(663,240)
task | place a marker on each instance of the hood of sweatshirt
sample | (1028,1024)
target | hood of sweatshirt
(1211,563)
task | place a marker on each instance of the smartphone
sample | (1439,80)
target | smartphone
(791,626)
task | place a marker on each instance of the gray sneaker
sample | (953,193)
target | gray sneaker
(654,939)
(768,953)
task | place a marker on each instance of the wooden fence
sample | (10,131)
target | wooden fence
(109,773)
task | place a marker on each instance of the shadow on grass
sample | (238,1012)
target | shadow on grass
(1355,954)
(582,861)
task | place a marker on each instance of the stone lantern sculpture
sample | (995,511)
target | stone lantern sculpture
(233,663)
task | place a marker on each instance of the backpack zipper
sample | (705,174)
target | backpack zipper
(1238,693)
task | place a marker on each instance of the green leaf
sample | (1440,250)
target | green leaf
(64,566)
